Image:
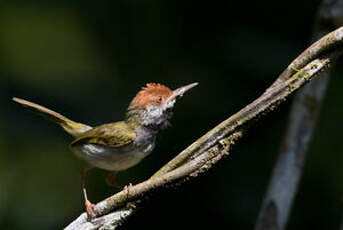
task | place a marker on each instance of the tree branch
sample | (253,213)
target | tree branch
(303,116)
(109,221)
(324,45)
(207,150)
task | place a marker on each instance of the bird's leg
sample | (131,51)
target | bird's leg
(110,179)
(89,206)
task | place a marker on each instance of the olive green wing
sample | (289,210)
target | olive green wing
(116,134)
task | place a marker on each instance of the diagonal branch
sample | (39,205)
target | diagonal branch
(264,104)
(324,45)
(207,150)
(286,175)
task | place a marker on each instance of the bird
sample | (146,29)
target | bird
(119,145)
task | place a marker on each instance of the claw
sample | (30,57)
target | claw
(89,209)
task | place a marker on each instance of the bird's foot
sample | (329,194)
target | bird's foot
(89,209)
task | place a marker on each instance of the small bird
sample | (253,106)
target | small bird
(120,145)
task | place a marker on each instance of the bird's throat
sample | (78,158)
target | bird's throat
(151,120)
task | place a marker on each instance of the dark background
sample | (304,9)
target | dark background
(87,59)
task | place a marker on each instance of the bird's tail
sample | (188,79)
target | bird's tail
(73,128)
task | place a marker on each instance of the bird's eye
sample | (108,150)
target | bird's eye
(159,99)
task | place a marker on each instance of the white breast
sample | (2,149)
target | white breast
(111,158)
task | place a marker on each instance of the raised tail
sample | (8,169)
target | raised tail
(73,128)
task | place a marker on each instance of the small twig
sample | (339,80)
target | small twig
(322,46)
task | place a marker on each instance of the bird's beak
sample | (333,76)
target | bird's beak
(180,91)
